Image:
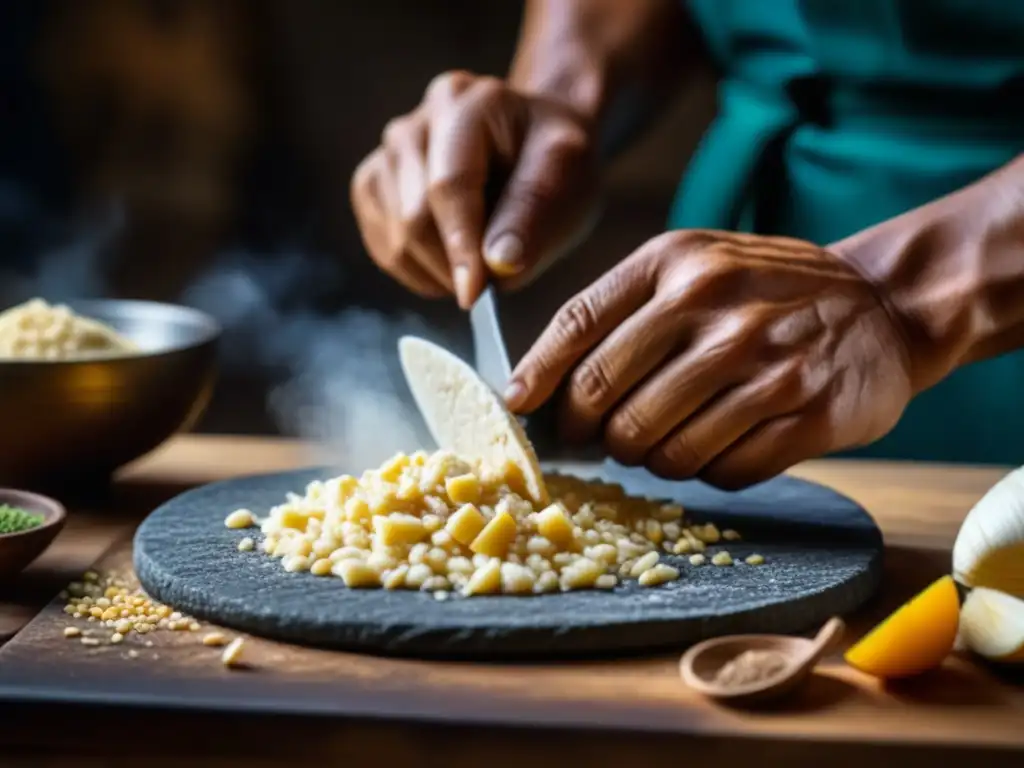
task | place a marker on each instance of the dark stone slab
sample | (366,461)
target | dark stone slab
(823,558)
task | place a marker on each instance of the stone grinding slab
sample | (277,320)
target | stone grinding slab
(823,553)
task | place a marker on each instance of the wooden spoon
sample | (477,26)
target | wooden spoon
(701,663)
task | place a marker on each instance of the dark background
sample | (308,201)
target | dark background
(201,152)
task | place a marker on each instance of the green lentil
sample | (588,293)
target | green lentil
(15,519)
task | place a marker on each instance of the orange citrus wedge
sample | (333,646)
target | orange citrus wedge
(914,639)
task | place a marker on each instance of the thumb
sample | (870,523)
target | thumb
(543,206)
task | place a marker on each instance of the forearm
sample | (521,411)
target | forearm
(953,273)
(605,58)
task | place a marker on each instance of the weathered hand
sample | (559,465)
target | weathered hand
(722,356)
(420,197)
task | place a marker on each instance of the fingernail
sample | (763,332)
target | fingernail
(462,286)
(505,254)
(515,393)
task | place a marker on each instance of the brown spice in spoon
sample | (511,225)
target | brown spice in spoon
(751,666)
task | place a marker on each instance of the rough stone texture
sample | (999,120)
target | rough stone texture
(823,558)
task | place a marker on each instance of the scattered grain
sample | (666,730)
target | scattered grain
(721,558)
(232,656)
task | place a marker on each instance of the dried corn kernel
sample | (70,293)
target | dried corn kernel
(681,547)
(497,535)
(606,581)
(355,574)
(580,574)
(516,579)
(321,567)
(240,518)
(486,580)
(643,564)
(659,574)
(398,528)
(463,489)
(555,526)
(232,656)
(466,524)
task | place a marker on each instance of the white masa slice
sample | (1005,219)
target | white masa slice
(464,414)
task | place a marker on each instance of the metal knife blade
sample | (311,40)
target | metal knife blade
(489,350)
(492,363)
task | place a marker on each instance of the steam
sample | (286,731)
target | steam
(69,259)
(343,389)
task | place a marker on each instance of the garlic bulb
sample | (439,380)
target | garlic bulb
(989,549)
(992,625)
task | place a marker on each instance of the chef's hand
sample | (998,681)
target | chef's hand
(722,356)
(420,201)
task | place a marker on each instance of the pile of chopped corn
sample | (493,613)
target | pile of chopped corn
(439,523)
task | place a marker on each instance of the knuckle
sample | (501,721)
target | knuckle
(488,88)
(397,130)
(590,384)
(690,239)
(712,277)
(394,259)
(577,319)
(568,139)
(453,186)
(628,435)
(362,177)
(682,254)
(363,189)
(451,83)
(531,194)
(414,224)
(726,477)
(791,386)
(675,459)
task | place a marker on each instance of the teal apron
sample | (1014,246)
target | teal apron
(837,114)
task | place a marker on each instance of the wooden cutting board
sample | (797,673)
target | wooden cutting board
(823,556)
(628,702)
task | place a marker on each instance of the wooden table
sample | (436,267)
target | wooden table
(843,718)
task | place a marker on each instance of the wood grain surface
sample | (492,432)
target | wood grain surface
(419,713)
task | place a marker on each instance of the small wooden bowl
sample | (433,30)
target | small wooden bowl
(19,549)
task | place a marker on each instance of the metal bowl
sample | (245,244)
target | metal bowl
(73,422)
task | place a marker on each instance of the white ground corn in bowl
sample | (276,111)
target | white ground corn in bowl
(40,331)
(440,523)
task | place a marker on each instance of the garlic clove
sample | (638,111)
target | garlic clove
(992,625)
(989,549)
